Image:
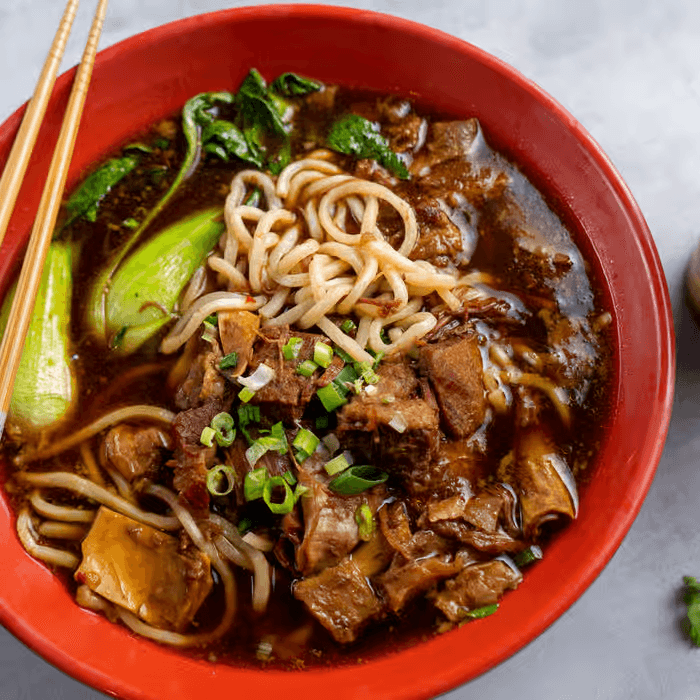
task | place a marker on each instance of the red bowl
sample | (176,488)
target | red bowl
(150,76)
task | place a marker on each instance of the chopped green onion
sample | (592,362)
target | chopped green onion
(209,333)
(306,368)
(207,436)
(260,378)
(343,355)
(228,361)
(291,349)
(305,441)
(528,556)
(253,198)
(222,423)
(479,613)
(388,399)
(220,480)
(364,369)
(130,223)
(345,379)
(323,354)
(331,397)
(357,479)
(248,414)
(322,421)
(289,477)
(246,394)
(278,434)
(299,491)
(378,358)
(212,319)
(365,522)
(348,325)
(336,465)
(254,483)
(279,508)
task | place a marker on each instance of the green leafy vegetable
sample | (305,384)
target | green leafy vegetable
(692,599)
(45,385)
(293,85)
(359,137)
(85,201)
(147,285)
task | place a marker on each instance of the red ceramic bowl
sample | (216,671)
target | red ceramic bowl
(151,75)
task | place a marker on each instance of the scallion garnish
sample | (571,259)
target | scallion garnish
(305,442)
(479,613)
(365,370)
(306,368)
(254,483)
(209,333)
(290,350)
(336,465)
(357,479)
(331,397)
(528,556)
(323,354)
(220,480)
(299,491)
(261,377)
(345,379)
(245,394)
(365,522)
(212,319)
(348,325)
(222,424)
(207,436)
(228,361)
(277,440)
(289,477)
(343,355)
(287,504)
(248,414)
(377,359)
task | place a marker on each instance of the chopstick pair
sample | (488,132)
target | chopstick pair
(30,276)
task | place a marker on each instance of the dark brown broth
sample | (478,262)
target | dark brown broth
(105,381)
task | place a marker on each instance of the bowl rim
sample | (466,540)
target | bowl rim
(394,665)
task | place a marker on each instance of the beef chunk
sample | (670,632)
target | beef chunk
(439,239)
(203,381)
(330,529)
(455,371)
(288,394)
(135,451)
(365,423)
(474,587)
(238,331)
(341,599)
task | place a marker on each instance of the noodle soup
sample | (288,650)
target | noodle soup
(334,373)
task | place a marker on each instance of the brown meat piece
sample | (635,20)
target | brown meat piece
(135,451)
(439,239)
(203,381)
(455,371)
(341,599)
(288,394)
(474,587)
(238,331)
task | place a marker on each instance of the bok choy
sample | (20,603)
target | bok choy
(145,288)
(45,385)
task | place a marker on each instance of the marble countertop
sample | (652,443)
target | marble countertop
(629,71)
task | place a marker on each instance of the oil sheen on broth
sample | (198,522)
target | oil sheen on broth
(415,419)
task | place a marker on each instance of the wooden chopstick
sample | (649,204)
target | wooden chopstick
(30,276)
(16,165)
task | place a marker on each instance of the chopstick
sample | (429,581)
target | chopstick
(29,129)
(30,275)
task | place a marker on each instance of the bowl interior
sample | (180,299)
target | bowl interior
(150,76)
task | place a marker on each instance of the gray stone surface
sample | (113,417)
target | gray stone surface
(629,70)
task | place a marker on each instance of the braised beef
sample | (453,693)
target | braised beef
(455,371)
(288,394)
(135,451)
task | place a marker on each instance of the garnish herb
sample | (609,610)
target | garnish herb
(290,350)
(357,479)
(359,137)
(692,599)
(479,613)
(305,442)
(271,486)
(306,368)
(228,361)
(292,85)
(225,433)
(365,522)
(254,483)
(220,480)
